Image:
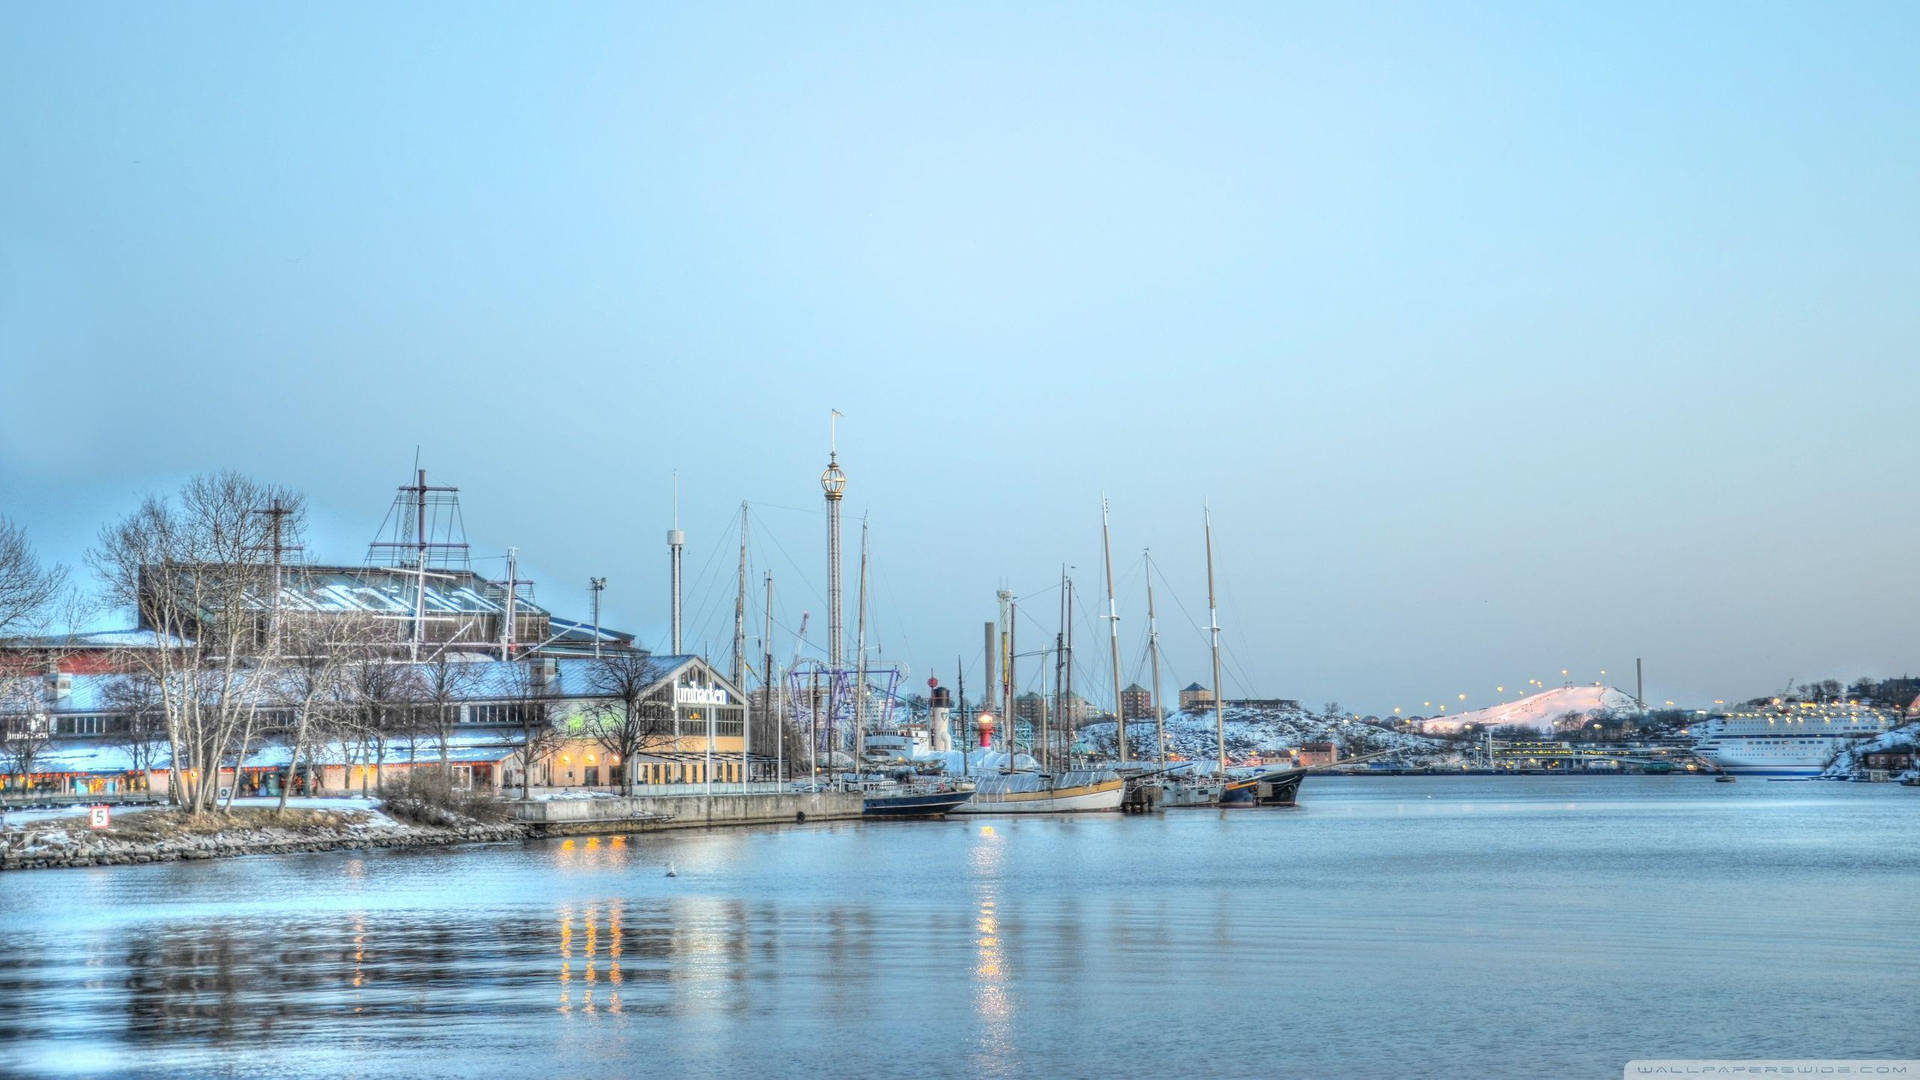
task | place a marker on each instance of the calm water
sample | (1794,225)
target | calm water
(1505,927)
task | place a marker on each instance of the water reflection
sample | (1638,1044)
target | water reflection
(992,1001)
(1090,946)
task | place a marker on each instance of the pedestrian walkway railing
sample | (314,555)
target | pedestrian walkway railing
(754,787)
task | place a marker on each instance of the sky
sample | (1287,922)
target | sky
(1501,339)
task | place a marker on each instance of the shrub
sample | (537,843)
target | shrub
(424,797)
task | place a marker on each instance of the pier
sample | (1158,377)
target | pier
(695,808)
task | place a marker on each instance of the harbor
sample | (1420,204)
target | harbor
(1382,925)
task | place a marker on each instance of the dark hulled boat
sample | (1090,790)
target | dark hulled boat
(1267,789)
(915,802)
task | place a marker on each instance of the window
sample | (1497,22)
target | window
(80,725)
(506,712)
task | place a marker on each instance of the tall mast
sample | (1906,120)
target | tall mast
(1213,628)
(740,609)
(1059,667)
(1066,693)
(1007,712)
(833,483)
(675,541)
(767,681)
(960,691)
(276,515)
(860,662)
(1153,651)
(597,584)
(420,560)
(513,592)
(1044,706)
(1113,631)
(1010,733)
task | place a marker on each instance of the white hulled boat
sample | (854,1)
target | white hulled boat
(1789,740)
(1072,791)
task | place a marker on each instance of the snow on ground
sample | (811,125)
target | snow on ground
(1540,711)
(16,819)
(1847,762)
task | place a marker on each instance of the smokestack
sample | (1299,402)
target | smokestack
(987,696)
(938,710)
(1639,686)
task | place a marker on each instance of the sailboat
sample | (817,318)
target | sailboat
(1038,791)
(900,792)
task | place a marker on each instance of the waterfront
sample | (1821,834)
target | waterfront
(1503,926)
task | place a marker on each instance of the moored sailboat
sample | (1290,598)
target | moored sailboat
(1070,791)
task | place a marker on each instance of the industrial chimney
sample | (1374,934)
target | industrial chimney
(938,710)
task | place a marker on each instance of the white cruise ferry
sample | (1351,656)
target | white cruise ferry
(1795,739)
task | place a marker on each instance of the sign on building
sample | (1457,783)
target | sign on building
(699,695)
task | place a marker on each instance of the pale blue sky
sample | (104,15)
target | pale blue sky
(1504,338)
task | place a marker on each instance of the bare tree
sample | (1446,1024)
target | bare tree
(535,690)
(28,587)
(143,736)
(382,692)
(319,653)
(634,713)
(26,732)
(198,568)
(29,590)
(445,680)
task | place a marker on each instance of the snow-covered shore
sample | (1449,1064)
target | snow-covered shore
(1849,764)
(56,838)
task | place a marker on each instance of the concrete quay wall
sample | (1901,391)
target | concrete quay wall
(573,817)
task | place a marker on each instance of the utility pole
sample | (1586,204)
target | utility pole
(598,585)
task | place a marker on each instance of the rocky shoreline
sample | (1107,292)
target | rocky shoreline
(53,849)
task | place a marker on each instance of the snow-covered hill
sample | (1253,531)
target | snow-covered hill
(1257,730)
(1544,712)
(1846,764)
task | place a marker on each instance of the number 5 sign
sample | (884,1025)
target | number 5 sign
(98,817)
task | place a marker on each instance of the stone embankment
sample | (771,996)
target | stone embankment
(156,839)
